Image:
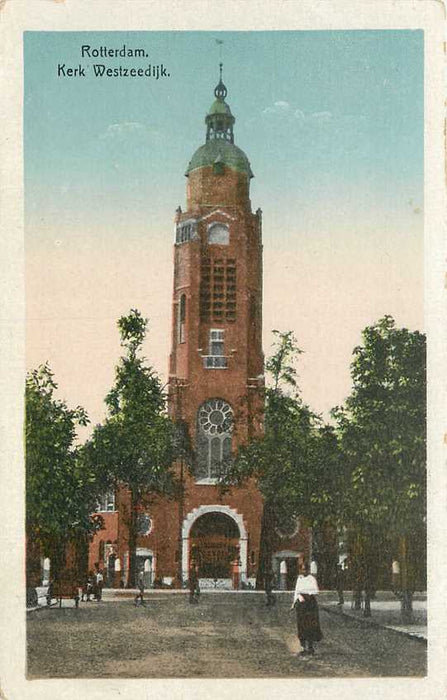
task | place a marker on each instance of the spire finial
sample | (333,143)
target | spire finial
(220,90)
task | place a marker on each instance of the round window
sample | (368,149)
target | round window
(216,417)
(144,524)
(289,528)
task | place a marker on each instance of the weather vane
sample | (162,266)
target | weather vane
(219,42)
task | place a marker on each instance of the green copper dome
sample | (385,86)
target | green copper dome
(220,151)
(219,107)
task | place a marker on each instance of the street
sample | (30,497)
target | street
(225,635)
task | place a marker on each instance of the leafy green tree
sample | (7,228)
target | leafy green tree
(60,490)
(134,446)
(293,462)
(382,427)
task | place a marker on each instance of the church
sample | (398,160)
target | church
(216,381)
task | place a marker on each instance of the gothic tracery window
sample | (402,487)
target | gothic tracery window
(214,428)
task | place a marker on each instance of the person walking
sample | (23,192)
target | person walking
(306,607)
(140,585)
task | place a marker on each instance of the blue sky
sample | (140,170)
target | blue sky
(330,114)
(332,122)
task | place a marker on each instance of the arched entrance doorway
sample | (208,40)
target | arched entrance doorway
(214,545)
(215,528)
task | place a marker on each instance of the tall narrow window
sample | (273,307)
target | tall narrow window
(106,502)
(217,342)
(216,352)
(182,319)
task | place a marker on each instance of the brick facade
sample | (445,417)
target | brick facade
(216,355)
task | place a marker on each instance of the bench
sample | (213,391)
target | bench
(63,589)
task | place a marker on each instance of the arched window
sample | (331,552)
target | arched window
(214,428)
(218,233)
(182,319)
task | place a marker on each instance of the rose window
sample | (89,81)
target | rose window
(216,417)
(214,428)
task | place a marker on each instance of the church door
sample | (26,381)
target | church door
(214,545)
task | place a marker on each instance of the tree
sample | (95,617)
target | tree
(134,445)
(292,462)
(60,490)
(382,428)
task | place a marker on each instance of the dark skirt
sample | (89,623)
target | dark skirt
(307,619)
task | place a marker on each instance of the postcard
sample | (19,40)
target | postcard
(223,342)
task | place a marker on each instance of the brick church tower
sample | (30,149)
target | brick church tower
(216,380)
(216,364)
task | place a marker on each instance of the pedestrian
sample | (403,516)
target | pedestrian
(395,578)
(270,598)
(306,607)
(87,588)
(194,587)
(140,585)
(99,581)
(340,583)
(75,592)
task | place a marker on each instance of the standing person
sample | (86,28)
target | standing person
(194,588)
(140,584)
(306,607)
(340,583)
(395,577)
(87,588)
(270,598)
(99,584)
(75,592)
(235,574)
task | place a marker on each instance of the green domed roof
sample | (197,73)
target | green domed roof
(219,107)
(219,150)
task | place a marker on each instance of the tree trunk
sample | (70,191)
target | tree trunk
(368,554)
(406,603)
(33,555)
(357,597)
(357,561)
(131,582)
(368,585)
(81,548)
(264,574)
(57,550)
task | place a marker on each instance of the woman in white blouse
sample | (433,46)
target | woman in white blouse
(306,607)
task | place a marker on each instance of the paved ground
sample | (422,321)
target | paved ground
(386,613)
(225,635)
